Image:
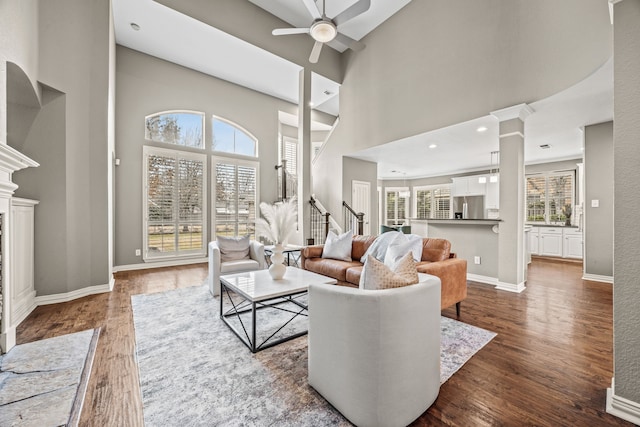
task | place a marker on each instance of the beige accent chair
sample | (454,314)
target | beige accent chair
(216,267)
(375,354)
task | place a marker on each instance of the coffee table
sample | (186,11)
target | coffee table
(256,291)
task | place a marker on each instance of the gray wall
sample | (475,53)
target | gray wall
(69,140)
(146,85)
(468,241)
(598,222)
(563,165)
(361,170)
(626,134)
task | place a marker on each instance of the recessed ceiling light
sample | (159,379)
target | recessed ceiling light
(135,26)
(433,145)
(482,129)
(310,104)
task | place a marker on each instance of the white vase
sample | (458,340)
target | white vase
(277,268)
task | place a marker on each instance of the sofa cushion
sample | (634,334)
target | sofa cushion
(338,247)
(360,245)
(233,248)
(330,267)
(353,274)
(376,275)
(239,266)
(436,249)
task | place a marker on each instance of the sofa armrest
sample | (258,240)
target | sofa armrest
(453,274)
(307,252)
(214,268)
(256,252)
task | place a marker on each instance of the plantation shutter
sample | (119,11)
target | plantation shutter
(174,203)
(423,204)
(536,198)
(235,197)
(442,203)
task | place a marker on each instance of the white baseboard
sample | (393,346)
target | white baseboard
(597,278)
(511,287)
(78,293)
(482,279)
(171,263)
(621,407)
(24,310)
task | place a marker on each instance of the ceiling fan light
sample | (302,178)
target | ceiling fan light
(323,31)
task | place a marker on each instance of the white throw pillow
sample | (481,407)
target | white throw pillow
(375,275)
(378,248)
(402,245)
(233,248)
(338,247)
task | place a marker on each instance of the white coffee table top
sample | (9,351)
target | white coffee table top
(258,285)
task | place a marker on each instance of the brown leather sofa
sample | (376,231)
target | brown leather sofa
(437,259)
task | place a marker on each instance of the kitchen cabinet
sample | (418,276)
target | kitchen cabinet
(572,244)
(550,243)
(492,197)
(556,241)
(468,186)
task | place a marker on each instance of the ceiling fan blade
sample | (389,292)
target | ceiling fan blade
(312,8)
(315,52)
(287,31)
(349,42)
(352,11)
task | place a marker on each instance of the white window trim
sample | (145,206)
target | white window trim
(547,175)
(149,150)
(414,194)
(237,126)
(204,133)
(234,160)
(407,205)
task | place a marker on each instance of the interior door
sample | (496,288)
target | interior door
(361,202)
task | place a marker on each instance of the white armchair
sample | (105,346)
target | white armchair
(216,267)
(375,354)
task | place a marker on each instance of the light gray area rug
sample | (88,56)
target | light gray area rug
(43,383)
(195,372)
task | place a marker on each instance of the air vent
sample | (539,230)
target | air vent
(328,92)
(545,146)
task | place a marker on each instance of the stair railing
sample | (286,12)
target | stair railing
(319,224)
(352,220)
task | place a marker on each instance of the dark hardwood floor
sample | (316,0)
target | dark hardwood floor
(550,364)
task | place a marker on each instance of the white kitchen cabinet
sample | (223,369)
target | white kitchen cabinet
(572,244)
(468,186)
(534,236)
(492,197)
(550,241)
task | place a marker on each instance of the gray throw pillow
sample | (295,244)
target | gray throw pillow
(233,248)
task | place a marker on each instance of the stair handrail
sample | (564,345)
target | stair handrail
(353,219)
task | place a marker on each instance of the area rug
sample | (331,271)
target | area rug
(194,371)
(43,383)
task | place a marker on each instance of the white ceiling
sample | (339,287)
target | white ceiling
(172,36)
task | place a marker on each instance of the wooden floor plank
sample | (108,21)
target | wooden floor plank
(549,365)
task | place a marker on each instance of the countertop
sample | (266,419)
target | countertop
(464,221)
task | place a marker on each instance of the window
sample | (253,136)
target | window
(550,197)
(235,184)
(174,204)
(289,152)
(230,138)
(432,202)
(175,127)
(395,206)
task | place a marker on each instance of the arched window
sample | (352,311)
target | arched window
(176,127)
(230,138)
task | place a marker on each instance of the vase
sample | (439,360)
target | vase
(277,268)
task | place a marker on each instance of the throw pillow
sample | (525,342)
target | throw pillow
(375,275)
(379,246)
(338,247)
(401,245)
(233,248)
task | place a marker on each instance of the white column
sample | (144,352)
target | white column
(304,156)
(511,241)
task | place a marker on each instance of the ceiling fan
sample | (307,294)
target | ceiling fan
(324,30)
